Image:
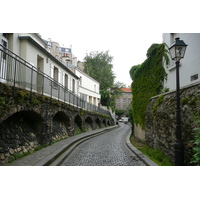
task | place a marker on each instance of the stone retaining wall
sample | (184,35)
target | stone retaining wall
(29,123)
(160,121)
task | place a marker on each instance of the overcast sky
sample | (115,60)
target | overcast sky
(127,48)
(117,26)
(126,28)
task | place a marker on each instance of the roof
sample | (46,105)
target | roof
(126,89)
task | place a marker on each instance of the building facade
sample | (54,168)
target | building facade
(34,50)
(88,87)
(123,102)
(189,65)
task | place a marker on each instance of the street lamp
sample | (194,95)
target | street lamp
(177,51)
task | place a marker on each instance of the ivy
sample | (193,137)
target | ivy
(196,133)
(158,102)
(148,79)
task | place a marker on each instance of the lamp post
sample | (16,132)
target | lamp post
(177,51)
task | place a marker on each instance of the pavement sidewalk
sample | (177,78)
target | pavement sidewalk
(49,154)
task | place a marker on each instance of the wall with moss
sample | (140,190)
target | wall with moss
(160,120)
(28,123)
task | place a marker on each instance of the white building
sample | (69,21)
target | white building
(88,87)
(189,65)
(32,48)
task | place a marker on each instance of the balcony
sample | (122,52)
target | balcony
(18,73)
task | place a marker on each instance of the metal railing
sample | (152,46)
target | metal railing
(18,73)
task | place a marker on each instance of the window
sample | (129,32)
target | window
(194,77)
(5,44)
(55,73)
(55,76)
(73,85)
(66,80)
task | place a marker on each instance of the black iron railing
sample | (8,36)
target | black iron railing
(18,73)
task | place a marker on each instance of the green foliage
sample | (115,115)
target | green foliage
(184,101)
(132,71)
(193,101)
(119,112)
(156,155)
(98,66)
(158,102)
(196,141)
(17,156)
(148,79)
(108,97)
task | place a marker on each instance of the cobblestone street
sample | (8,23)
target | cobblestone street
(108,149)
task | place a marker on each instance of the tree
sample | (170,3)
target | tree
(108,98)
(98,66)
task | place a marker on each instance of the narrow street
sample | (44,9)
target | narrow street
(108,149)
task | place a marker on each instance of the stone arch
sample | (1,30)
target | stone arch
(88,124)
(98,122)
(21,132)
(60,128)
(78,124)
(104,122)
(108,123)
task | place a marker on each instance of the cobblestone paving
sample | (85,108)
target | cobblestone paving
(108,149)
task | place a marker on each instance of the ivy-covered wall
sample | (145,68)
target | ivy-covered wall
(148,79)
(160,121)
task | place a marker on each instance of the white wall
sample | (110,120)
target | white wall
(88,86)
(31,56)
(190,64)
(30,53)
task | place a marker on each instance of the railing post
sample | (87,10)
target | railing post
(43,84)
(51,90)
(58,92)
(73,99)
(31,83)
(64,94)
(14,80)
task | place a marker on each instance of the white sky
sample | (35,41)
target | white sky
(105,25)
(126,28)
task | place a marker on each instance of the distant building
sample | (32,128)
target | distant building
(189,65)
(124,101)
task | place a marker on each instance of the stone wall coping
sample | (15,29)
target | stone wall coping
(173,91)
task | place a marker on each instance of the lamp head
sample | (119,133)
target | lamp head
(177,49)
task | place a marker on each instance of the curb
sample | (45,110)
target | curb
(138,153)
(61,157)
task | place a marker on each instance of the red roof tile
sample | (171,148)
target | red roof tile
(126,89)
